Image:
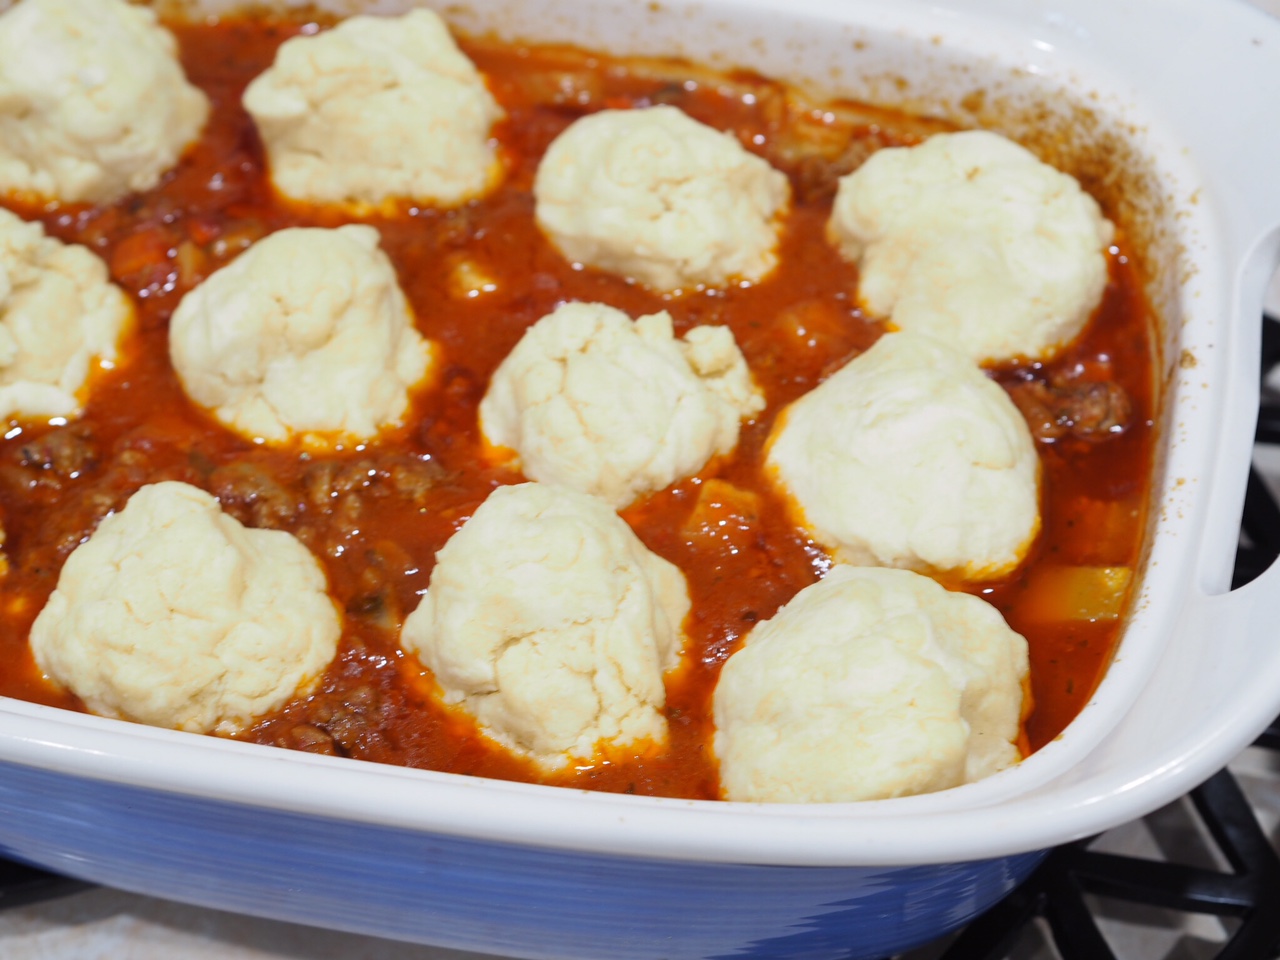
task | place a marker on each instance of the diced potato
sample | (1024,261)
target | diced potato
(468,278)
(236,239)
(1077,593)
(724,513)
(142,252)
(814,324)
(193,264)
(575,88)
(1110,526)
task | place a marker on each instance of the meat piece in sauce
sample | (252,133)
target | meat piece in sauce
(62,454)
(1092,410)
(253,496)
(336,487)
(386,564)
(350,724)
(335,494)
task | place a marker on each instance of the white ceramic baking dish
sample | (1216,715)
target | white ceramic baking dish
(1179,98)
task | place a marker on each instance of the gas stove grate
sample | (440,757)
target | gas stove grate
(1057,891)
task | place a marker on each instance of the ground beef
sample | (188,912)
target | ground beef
(385,566)
(332,487)
(333,490)
(253,496)
(48,461)
(1090,410)
(334,495)
(352,722)
(309,738)
(814,178)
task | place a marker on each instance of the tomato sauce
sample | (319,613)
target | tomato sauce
(377,514)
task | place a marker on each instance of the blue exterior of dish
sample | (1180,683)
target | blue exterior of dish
(478,895)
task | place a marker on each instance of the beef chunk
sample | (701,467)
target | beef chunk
(253,496)
(1092,410)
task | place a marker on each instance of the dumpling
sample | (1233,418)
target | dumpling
(377,108)
(551,623)
(658,197)
(174,614)
(59,315)
(306,334)
(93,101)
(593,401)
(970,239)
(909,456)
(869,684)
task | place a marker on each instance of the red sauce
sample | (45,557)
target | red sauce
(377,536)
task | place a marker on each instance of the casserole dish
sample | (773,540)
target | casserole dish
(535,871)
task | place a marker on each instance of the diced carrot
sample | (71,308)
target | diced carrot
(1112,527)
(1056,594)
(723,513)
(469,278)
(142,251)
(236,238)
(204,230)
(193,264)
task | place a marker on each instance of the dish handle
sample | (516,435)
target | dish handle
(1218,682)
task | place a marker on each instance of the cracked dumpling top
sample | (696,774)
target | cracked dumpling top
(174,614)
(307,333)
(593,401)
(58,316)
(869,684)
(971,239)
(93,101)
(551,623)
(909,456)
(376,108)
(658,197)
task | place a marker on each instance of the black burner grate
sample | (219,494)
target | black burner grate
(21,885)
(1260,524)
(1057,891)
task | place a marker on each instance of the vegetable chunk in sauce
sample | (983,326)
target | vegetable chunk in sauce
(477,277)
